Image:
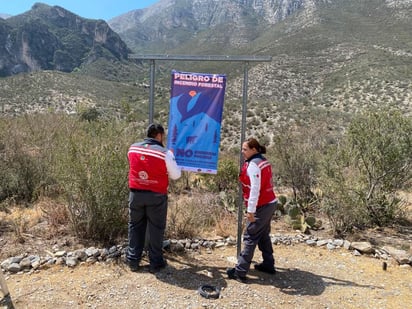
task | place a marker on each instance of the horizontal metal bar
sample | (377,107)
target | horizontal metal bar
(202,58)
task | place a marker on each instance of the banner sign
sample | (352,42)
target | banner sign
(196,107)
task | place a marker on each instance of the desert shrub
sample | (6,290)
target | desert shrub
(26,148)
(364,171)
(187,182)
(92,169)
(225,182)
(295,161)
(22,220)
(20,173)
(90,114)
(85,162)
(55,213)
(196,214)
(204,202)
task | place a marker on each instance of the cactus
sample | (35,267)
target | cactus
(282,204)
(282,200)
(294,211)
(311,221)
(296,218)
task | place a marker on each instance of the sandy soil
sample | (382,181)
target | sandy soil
(307,277)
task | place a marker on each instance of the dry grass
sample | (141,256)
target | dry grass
(27,222)
(55,213)
(198,214)
(21,219)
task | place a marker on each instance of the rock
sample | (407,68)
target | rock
(177,247)
(338,242)
(346,244)
(25,263)
(60,253)
(321,243)
(93,255)
(71,261)
(166,244)
(330,246)
(106,252)
(231,240)
(80,254)
(363,247)
(311,242)
(401,256)
(16,259)
(92,252)
(5,264)
(356,253)
(14,268)
(35,264)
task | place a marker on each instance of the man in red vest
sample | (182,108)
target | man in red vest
(150,167)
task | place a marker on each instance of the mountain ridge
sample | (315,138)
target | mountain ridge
(330,59)
(161,20)
(53,38)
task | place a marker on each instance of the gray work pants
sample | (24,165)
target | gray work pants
(147,210)
(257,234)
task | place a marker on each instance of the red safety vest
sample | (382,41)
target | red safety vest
(147,167)
(266,194)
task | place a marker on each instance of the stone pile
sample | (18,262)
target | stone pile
(30,263)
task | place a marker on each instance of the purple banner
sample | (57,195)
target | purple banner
(196,107)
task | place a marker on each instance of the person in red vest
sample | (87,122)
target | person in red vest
(150,167)
(260,201)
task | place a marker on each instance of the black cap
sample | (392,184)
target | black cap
(154,129)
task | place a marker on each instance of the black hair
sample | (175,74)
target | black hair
(154,129)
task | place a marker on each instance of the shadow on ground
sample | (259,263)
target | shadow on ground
(188,274)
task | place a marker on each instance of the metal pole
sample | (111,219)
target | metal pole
(151,98)
(245,60)
(242,138)
(153,58)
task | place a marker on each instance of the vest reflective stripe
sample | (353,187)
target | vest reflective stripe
(263,164)
(148,152)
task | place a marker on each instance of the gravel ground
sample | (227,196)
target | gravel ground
(307,277)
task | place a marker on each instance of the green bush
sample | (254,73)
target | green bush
(84,162)
(295,162)
(364,171)
(92,168)
(225,182)
(24,158)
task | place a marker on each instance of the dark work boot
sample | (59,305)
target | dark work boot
(265,268)
(232,274)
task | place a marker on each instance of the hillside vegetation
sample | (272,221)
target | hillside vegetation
(330,60)
(333,106)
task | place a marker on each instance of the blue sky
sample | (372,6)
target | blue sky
(95,9)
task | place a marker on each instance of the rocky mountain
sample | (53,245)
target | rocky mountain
(170,23)
(210,25)
(4,16)
(328,55)
(330,59)
(52,38)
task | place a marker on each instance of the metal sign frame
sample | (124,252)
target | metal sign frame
(246,60)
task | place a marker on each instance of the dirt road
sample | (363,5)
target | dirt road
(307,277)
